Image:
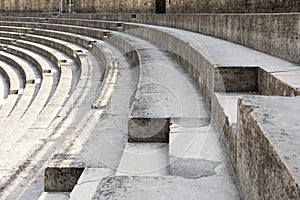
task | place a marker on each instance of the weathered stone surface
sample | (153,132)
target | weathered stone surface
(192,168)
(228,77)
(268,147)
(148,130)
(237,6)
(140,6)
(167,187)
(61,179)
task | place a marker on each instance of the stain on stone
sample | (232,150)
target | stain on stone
(190,168)
(109,186)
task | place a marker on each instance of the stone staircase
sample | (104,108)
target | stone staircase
(124,110)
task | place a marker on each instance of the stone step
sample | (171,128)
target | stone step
(25,68)
(40,62)
(52,54)
(3,89)
(88,182)
(158,97)
(41,143)
(16,79)
(165,187)
(99,139)
(144,159)
(8,105)
(54,196)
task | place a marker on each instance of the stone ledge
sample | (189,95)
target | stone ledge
(268,147)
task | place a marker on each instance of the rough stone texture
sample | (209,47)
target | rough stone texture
(271,83)
(229,6)
(268,147)
(139,6)
(167,187)
(228,77)
(78,6)
(61,179)
(225,125)
(148,130)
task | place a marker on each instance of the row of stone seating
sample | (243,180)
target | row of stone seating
(216,73)
(274,76)
(143,60)
(54,83)
(136,49)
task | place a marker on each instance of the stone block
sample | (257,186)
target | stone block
(148,130)
(60,179)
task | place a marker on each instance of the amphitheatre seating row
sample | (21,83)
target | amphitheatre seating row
(4,85)
(142,53)
(55,102)
(213,70)
(16,75)
(39,62)
(274,76)
(37,103)
(15,78)
(37,106)
(200,44)
(25,95)
(81,40)
(30,73)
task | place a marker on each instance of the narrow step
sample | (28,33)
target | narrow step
(54,196)
(8,105)
(27,70)
(40,62)
(144,159)
(3,90)
(88,182)
(17,83)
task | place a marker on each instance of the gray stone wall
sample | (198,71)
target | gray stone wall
(27,5)
(142,6)
(86,6)
(232,6)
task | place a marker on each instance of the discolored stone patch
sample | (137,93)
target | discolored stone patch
(166,187)
(193,168)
